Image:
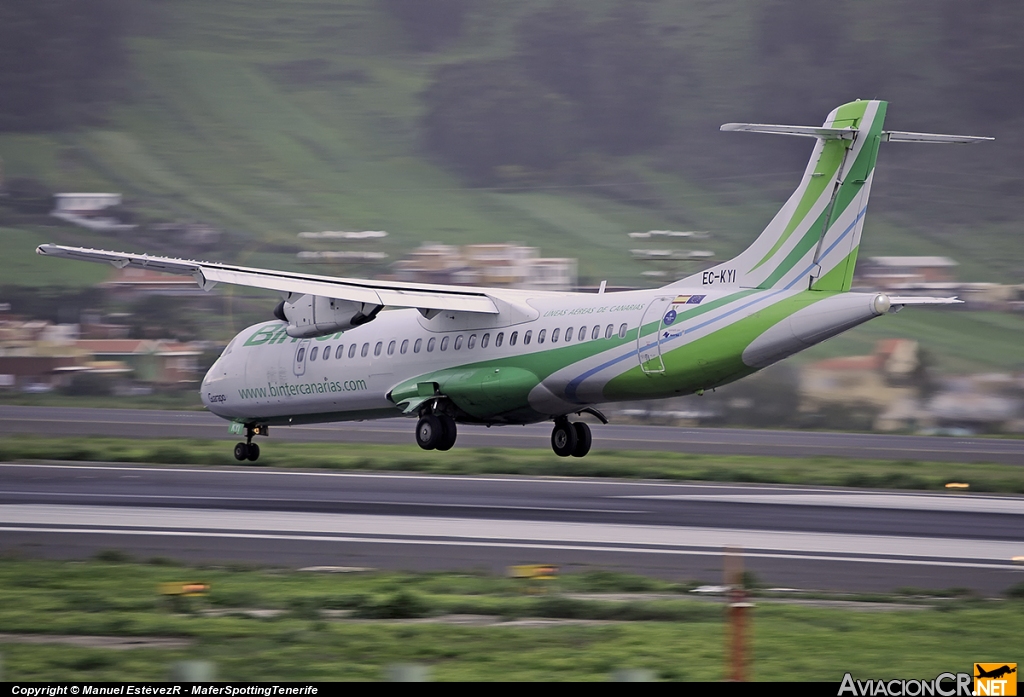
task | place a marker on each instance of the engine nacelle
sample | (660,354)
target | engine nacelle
(310,316)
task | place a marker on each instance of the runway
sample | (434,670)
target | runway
(142,423)
(791,536)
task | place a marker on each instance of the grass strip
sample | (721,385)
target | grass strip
(680,639)
(828,471)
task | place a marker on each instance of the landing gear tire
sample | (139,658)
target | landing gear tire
(247,451)
(450,432)
(583,439)
(429,432)
(563,439)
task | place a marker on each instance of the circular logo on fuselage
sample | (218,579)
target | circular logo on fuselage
(670,317)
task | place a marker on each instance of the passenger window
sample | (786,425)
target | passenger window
(596,333)
(554,335)
(339,352)
(499,339)
(417,346)
(472,341)
(352,351)
(405,346)
(526,338)
(484,340)
(327,352)
(377,349)
(365,351)
(540,336)
(313,352)
(458,342)
(568,334)
(608,331)
(301,355)
(583,334)
(430,344)
(444,343)
(622,331)
(512,339)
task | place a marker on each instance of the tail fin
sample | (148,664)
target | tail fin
(812,242)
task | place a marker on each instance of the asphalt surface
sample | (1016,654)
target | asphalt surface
(141,423)
(790,536)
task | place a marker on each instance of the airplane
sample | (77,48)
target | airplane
(995,672)
(451,354)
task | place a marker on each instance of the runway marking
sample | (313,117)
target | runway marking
(357,502)
(524,479)
(495,530)
(887,501)
(512,545)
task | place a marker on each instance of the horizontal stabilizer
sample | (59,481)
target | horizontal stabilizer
(911,300)
(806,131)
(910,137)
(848,133)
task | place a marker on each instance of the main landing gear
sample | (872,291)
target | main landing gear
(570,438)
(436,432)
(249,450)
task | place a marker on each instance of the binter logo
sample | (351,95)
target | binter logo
(995,679)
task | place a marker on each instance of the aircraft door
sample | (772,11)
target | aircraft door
(648,341)
(299,365)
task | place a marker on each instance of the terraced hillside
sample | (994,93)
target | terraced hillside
(267,119)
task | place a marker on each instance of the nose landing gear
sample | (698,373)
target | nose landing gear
(249,450)
(570,438)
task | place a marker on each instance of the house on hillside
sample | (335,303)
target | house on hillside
(156,362)
(888,380)
(888,273)
(34,352)
(500,265)
(86,210)
(132,281)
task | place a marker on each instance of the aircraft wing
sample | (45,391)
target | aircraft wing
(207,274)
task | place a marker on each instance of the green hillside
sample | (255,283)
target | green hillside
(270,119)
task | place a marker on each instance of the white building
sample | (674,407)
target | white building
(86,210)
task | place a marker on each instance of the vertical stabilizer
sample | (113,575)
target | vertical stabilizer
(812,241)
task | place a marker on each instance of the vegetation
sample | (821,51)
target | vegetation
(586,120)
(833,471)
(310,636)
(64,61)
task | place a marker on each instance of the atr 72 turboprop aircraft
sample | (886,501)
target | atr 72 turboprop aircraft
(455,354)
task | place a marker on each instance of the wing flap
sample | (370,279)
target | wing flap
(417,295)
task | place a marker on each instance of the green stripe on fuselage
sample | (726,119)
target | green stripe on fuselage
(709,361)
